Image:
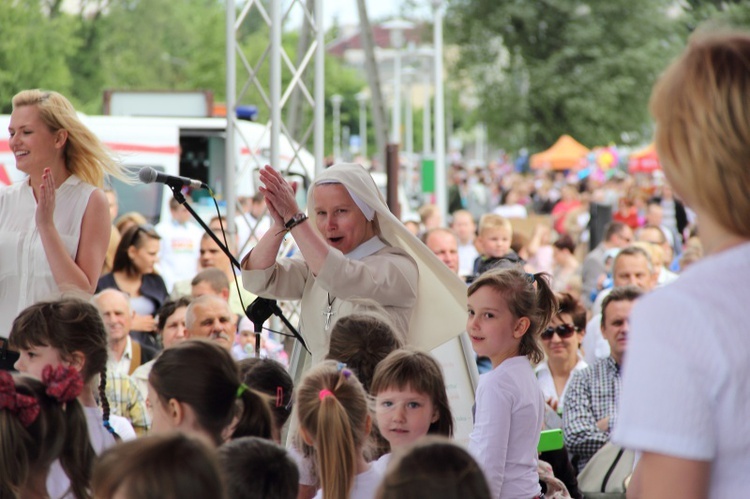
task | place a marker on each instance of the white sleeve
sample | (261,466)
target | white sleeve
(490,438)
(671,373)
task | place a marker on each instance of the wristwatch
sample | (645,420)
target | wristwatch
(295,221)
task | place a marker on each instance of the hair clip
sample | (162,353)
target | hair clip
(62,383)
(341,367)
(325,392)
(24,407)
(279,396)
(241,389)
(108,426)
(530,278)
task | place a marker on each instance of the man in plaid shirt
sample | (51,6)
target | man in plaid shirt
(590,410)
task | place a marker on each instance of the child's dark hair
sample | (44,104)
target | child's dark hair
(361,341)
(30,444)
(420,372)
(169,465)
(527,295)
(270,378)
(433,467)
(273,473)
(68,325)
(203,375)
(333,410)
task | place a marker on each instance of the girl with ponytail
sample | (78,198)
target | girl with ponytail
(334,418)
(41,422)
(195,387)
(69,332)
(508,310)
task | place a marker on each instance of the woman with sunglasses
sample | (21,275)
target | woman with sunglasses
(133,274)
(561,341)
(54,225)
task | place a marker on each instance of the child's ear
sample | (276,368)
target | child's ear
(77,360)
(522,325)
(368,425)
(176,412)
(306,437)
(435,416)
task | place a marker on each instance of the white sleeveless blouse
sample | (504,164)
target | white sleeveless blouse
(25,273)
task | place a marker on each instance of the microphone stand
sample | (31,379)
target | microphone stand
(261,308)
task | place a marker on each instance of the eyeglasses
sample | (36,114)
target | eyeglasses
(563,331)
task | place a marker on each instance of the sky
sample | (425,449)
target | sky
(347,13)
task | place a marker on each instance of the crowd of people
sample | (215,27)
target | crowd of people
(131,343)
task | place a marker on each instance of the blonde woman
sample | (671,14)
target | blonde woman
(54,225)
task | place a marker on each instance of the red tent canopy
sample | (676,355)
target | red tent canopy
(644,161)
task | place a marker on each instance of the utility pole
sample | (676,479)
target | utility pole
(373,79)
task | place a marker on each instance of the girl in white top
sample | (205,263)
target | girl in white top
(410,400)
(68,332)
(508,308)
(334,418)
(54,226)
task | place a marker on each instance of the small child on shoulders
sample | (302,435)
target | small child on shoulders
(494,241)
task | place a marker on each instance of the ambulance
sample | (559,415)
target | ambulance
(188,147)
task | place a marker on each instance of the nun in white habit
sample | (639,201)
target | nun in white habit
(352,248)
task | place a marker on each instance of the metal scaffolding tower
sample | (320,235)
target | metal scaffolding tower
(273,96)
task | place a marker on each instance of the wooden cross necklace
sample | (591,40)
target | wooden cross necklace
(328,313)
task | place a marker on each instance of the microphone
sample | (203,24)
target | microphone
(148,175)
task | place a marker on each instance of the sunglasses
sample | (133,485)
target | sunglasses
(563,331)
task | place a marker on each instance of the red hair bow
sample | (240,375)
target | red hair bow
(63,383)
(24,407)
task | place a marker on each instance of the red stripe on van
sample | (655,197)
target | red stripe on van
(4,178)
(116,146)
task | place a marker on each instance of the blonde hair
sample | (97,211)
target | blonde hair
(491,221)
(703,126)
(85,155)
(333,410)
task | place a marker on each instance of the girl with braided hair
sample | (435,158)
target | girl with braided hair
(70,332)
(41,422)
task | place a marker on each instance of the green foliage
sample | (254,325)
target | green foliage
(544,68)
(33,50)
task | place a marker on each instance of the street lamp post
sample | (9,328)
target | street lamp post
(362,100)
(409,74)
(426,55)
(396,28)
(440,187)
(336,100)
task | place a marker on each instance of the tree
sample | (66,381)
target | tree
(549,67)
(33,50)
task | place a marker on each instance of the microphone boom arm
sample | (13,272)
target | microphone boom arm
(270,305)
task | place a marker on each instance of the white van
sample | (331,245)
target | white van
(188,147)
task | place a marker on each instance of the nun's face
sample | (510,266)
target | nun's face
(339,219)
